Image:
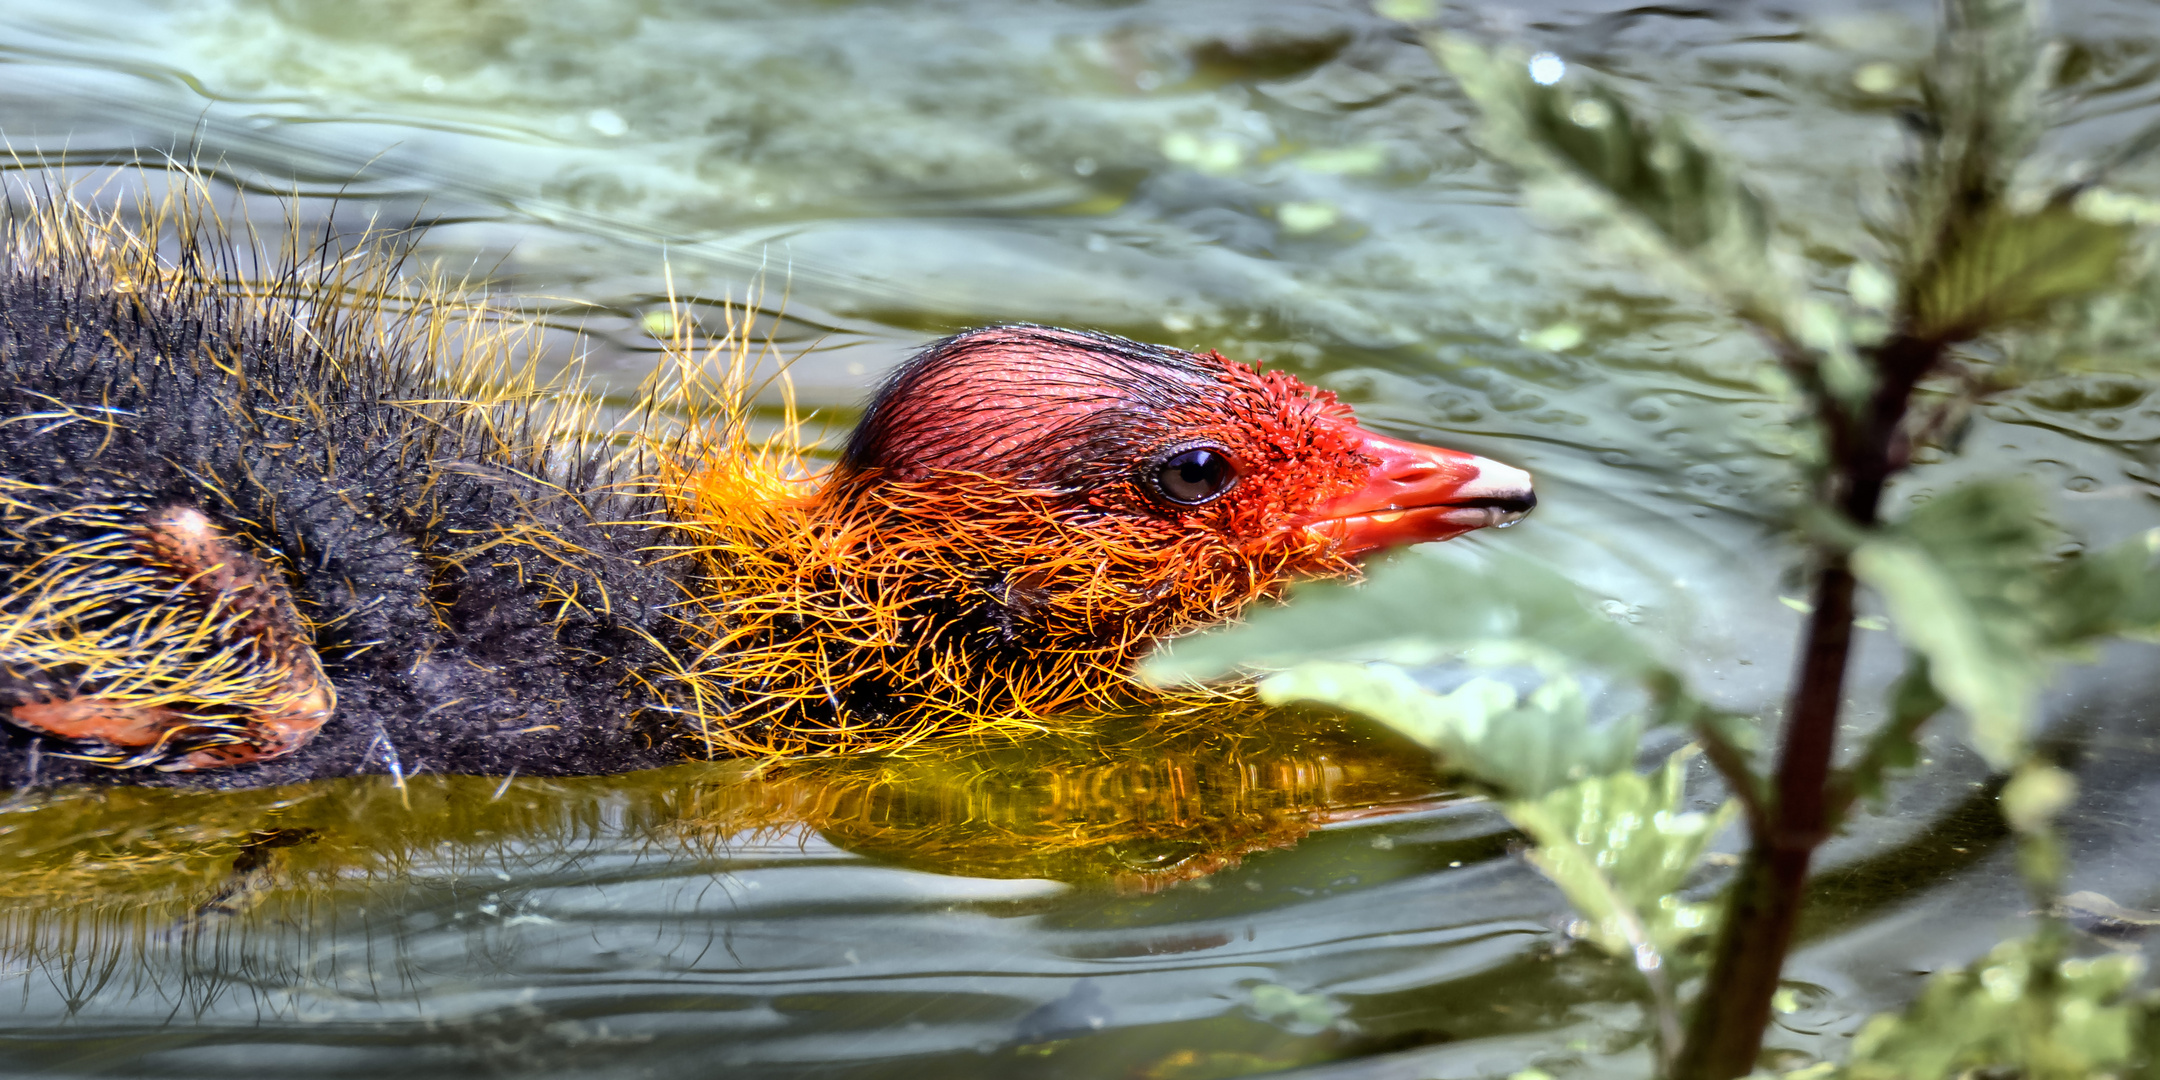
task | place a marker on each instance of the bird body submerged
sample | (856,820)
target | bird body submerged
(256,530)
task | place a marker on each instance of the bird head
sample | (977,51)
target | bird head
(1023,512)
(1186,446)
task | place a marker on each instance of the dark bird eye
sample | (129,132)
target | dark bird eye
(1195,475)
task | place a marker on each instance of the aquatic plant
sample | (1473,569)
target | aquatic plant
(1993,272)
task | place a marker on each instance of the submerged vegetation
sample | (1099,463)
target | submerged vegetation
(1992,269)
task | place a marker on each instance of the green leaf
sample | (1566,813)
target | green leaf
(1972,585)
(1417,609)
(2010,1013)
(1653,183)
(1520,747)
(1981,93)
(1620,847)
(1964,579)
(2112,592)
(1984,666)
(2109,330)
(1974,262)
(1977,255)
(2006,268)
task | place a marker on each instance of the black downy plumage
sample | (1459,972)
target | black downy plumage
(459,547)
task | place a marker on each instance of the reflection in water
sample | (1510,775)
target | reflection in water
(1136,813)
(718,915)
(94,878)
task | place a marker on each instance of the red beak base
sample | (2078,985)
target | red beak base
(1418,493)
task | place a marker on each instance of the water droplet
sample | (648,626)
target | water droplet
(1220,156)
(1300,218)
(1409,11)
(607,122)
(1880,77)
(1547,69)
(1559,337)
(1870,287)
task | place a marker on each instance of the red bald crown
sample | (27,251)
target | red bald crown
(1088,415)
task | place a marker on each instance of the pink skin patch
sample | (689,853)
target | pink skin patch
(218,572)
(97,718)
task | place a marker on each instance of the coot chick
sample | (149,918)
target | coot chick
(260,529)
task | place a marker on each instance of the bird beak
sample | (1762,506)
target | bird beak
(1417,493)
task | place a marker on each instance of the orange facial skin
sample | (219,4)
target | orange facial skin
(1415,493)
(1011,527)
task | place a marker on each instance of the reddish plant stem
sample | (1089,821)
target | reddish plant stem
(1763,907)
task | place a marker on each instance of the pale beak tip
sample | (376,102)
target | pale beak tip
(1504,489)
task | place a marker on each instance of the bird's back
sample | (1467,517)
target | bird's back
(471,576)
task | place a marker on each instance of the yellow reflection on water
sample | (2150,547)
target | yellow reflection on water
(1134,805)
(1137,813)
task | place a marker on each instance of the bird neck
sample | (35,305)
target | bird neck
(857,613)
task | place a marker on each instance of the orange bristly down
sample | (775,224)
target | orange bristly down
(956,605)
(996,547)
